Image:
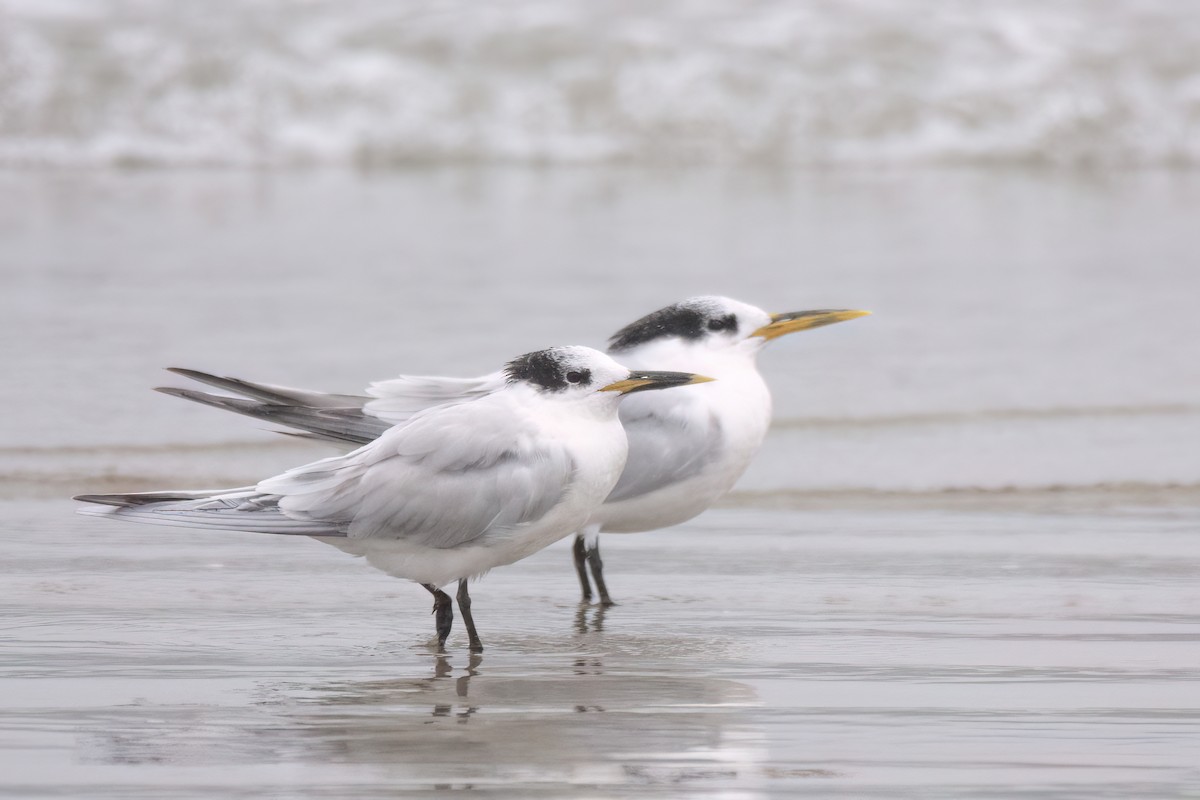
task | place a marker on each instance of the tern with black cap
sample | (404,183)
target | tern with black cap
(686,448)
(452,491)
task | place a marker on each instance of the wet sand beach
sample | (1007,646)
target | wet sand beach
(752,654)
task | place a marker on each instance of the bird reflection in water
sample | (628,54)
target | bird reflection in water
(591,665)
(444,669)
(584,625)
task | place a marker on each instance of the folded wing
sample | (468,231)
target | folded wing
(441,480)
(668,443)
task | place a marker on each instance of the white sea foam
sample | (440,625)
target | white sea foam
(545,81)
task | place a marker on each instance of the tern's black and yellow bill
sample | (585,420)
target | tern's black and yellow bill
(644,380)
(793,321)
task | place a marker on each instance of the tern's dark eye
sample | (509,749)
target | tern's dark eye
(726,323)
(576,377)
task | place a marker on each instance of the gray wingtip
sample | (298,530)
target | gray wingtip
(187,373)
(100,499)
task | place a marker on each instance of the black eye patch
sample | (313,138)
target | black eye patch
(725,323)
(545,369)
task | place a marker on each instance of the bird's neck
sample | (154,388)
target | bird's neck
(723,363)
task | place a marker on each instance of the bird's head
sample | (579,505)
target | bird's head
(713,323)
(580,372)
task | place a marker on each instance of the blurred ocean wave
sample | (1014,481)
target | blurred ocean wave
(275,83)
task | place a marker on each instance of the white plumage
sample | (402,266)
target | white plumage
(686,448)
(453,491)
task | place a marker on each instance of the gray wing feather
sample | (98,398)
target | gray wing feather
(398,399)
(668,443)
(343,425)
(271,393)
(335,417)
(230,509)
(442,480)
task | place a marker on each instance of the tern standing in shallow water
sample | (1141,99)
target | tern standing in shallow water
(452,492)
(686,448)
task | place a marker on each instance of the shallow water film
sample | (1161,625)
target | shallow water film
(752,654)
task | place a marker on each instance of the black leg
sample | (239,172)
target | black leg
(464,606)
(581,568)
(593,557)
(443,608)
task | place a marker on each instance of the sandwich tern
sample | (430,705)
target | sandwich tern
(452,491)
(686,448)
